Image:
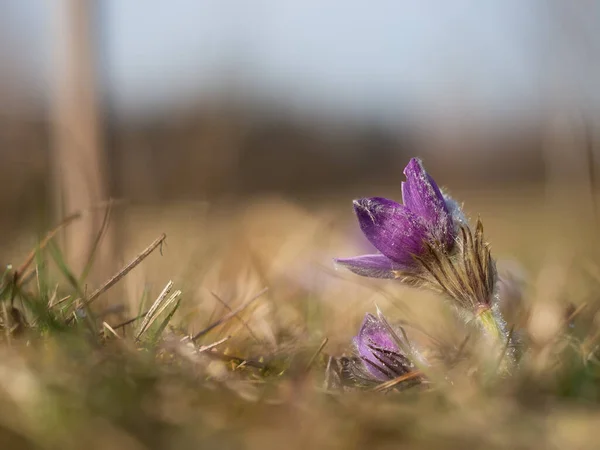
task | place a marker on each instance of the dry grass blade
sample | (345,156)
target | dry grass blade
(157,308)
(111,330)
(421,330)
(130,321)
(161,297)
(228,316)
(462,347)
(205,348)
(60,301)
(124,271)
(316,354)
(243,322)
(174,296)
(26,277)
(575,313)
(396,381)
(64,223)
(52,298)
(99,236)
(329,374)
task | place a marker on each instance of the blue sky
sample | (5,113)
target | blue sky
(354,57)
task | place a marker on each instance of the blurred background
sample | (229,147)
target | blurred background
(216,115)
(243,130)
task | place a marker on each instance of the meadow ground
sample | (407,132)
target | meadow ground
(259,374)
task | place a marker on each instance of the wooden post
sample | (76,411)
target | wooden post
(79,168)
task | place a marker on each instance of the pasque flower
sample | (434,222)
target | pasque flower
(427,242)
(382,354)
(401,232)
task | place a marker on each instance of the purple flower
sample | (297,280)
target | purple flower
(381,355)
(379,351)
(426,242)
(401,232)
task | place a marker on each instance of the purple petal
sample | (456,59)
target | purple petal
(420,192)
(422,196)
(374,266)
(379,352)
(391,228)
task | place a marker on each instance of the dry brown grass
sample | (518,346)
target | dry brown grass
(252,388)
